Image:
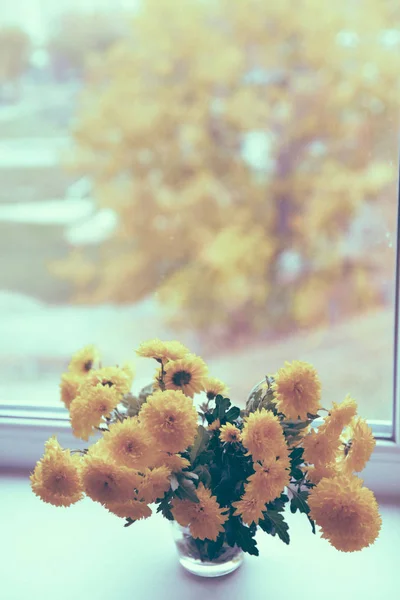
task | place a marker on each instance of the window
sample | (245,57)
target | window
(224,174)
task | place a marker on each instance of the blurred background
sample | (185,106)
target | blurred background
(223,172)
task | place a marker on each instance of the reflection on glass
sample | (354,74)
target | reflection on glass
(223,173)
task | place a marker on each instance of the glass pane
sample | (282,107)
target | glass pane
(223,172)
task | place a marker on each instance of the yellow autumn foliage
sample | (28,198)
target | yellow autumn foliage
(238,141)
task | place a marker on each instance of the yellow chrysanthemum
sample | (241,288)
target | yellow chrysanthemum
(213,387)
(215,425)
(99,449)
(359,445)
(115,377)
(347,513)
(229,434)
(173,462)
(84,360)
(315,474)
(297,390)
(133,509)
(129,444)
(56,478)
(205,518)
(340,416)
(69,387)
(320,447)
(262,435)
(129,369)
(162,351)
(154,484)
(106,482)
(170,419)
(269,480)
(250,507)
(187,374)
(156,384)
(87,411)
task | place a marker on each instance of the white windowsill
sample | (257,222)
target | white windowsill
(84,552)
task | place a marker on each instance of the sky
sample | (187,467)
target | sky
(35,16)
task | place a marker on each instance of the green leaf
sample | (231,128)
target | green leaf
(267,525)
(129,522)
(146,391)
(312,523)
(213,548)
(221,406)
(165,508)
(275,524)
(242,536)
(191,475)
(278,504)
(296,455)
(132,404)
(205,458)
(209,417)
(296,458)
(204,475)
(174,483)
(199,443)
(232,414)
(297,474)
(186,490)
(299,502)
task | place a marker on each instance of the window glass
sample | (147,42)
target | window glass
(223,172)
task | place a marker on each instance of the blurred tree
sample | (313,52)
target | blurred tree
(15,50)
(238,141)
(77,37)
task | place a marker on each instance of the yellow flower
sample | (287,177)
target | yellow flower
(154,484)
(262,435)
(269,480)
(250,507)
(162,351)
(129,369)
(106,482)
(69,388)
(340,416)
(87,411)
(205,518)
(229,434)
(117,378)
(215,425)
(170,419)
(347,513)
(129,444)
(133,509)
(83,360)
(320,447)
(360,444)
(297,390)
(187,374)
(315,474)
(174,462)
(99,449)
(213,387)
(56,478)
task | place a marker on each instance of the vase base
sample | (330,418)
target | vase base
(209,569)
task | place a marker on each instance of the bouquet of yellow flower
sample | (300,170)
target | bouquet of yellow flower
(218,471)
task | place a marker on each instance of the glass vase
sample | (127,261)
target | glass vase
(194,554)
